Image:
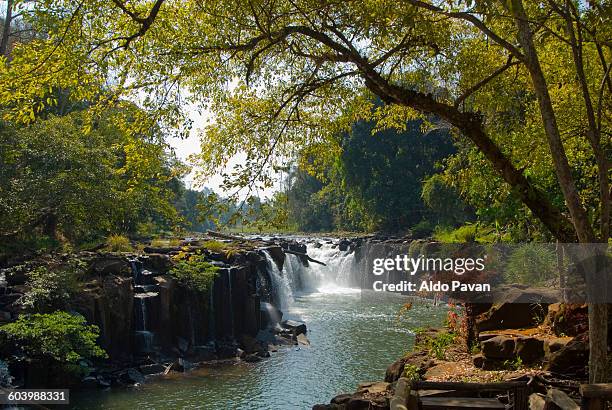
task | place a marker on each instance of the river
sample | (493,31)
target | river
(353,336)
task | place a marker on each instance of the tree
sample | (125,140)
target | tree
(55,176)
(298,69)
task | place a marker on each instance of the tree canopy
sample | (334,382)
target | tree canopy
(286,75)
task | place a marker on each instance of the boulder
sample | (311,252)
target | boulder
(571,359)
(154,368)
(555,344)
(484,363)
(419,359)
(252,358)
(510,316)
(499,347)
(441,370)
(344,245)
(517,307)
(529,349)
(358,403)
(89,382)
(157,262)
(252,345)
(341,399)
(132,376)
(302,340)
(182,365)
(537,402)
(567,319)
(560,400)
(295,326)
(110,264)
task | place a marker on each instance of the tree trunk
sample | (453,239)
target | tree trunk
(6,29)
(564,175)
(598,314)
(50,226)
(598,342)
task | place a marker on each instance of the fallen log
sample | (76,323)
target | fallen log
(305,256)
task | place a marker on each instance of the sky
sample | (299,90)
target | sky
(191,145)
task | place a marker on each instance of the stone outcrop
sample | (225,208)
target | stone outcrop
(570,360)
(152,323)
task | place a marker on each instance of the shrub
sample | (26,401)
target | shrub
(118,243)
(215,246)
(195,272)
(422,230)
(50,288)
(411,372)
(531,264)
(439,344)
(58,339)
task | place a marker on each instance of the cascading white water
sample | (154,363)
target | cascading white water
(280,283)
(295,277)
(336,273)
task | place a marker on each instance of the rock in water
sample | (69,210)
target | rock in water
(303,340)
(295,326)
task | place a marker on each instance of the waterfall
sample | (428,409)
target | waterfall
(335,275)
(280,283)
(141,312)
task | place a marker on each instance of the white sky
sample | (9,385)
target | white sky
(191,145)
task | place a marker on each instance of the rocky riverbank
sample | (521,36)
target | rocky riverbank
(151,322)
(549,350)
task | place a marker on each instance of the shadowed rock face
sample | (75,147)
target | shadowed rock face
(177,320)
(108,303)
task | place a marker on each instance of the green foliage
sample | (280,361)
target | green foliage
(439,344)
(436,346)
(422,230)
(58,339)
(164,243)
(513,364)
(447,208)
(531,264)
(194,272)
(118,243)
(62,180)
(411,372)
(50,288)
(298,85)
(375,184)
(466,234)
(215,246)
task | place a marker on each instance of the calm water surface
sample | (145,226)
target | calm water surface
(354,336)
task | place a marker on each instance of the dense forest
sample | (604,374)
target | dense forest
(483,121)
